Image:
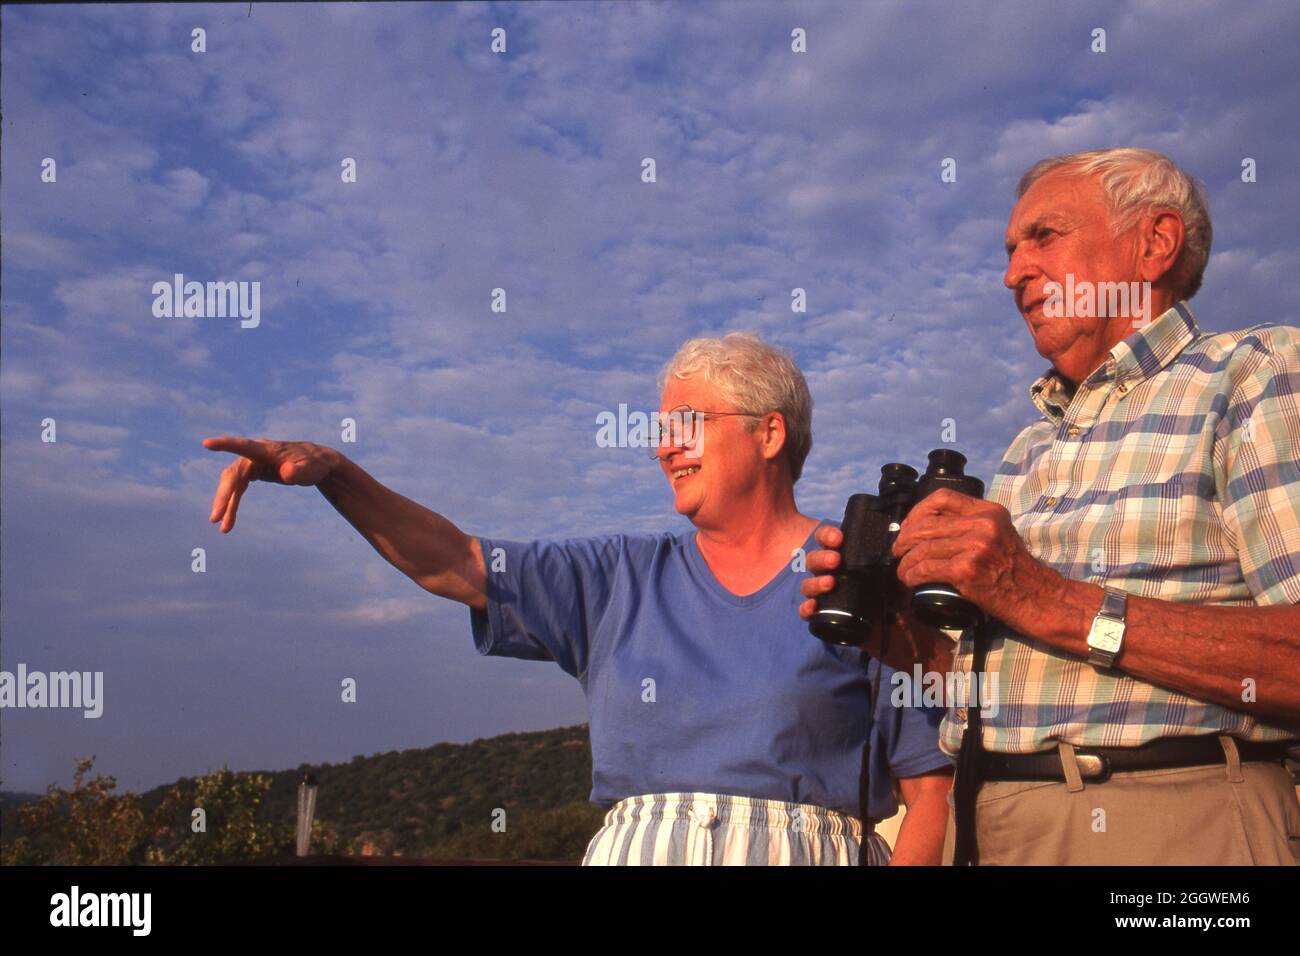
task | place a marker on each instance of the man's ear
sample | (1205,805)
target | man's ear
(1160,241)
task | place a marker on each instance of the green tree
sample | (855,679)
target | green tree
(231,832)
(85,825)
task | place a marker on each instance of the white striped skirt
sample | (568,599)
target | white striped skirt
(710,829)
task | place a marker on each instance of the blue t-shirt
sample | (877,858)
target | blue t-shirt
(692,688)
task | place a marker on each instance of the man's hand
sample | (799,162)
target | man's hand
(971,545)
(911,642)
(281,462)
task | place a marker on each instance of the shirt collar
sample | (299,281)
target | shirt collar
(1138,357)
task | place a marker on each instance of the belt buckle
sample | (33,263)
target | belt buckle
(1093,767)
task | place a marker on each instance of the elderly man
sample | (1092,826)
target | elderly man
(1139,554)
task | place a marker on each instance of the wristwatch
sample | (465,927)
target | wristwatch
(1106,638)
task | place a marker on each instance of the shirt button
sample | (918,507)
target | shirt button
(1051,502)
(1074,431)
(1121,388)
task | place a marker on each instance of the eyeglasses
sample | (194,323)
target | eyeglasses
(683,426)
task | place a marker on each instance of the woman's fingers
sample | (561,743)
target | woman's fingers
(823,562)
(820,564)
(224,486)
(829,536)
(817,586)
(291,463)
(256,450)
(234,482)
(233,508)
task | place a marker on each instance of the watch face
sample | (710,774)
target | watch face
(1106,635)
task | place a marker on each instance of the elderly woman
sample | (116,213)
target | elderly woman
(721,730)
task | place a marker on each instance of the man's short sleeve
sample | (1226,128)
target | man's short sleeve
(1260,483)
(545,599)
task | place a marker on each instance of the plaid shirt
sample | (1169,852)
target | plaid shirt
(1171,473)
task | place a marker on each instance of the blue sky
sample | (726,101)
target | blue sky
(477,170)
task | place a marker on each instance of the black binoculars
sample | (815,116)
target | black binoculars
(867,578)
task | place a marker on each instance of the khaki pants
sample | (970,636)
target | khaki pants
(1238,814)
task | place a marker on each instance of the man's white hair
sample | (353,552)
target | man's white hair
(1137,181)
(755,377)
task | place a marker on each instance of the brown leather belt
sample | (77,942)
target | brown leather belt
(1098,763)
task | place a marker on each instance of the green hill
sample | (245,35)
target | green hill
(437,802)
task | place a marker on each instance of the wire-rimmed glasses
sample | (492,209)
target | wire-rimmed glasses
(683,426)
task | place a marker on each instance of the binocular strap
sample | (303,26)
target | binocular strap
(864,774)
(966,785)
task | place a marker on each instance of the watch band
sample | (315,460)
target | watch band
(1106,638)
(1114,603)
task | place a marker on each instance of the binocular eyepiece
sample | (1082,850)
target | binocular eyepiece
(867,579)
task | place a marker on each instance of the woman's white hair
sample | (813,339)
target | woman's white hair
(755,377)
(1137,181)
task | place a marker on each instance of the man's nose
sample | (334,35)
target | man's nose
(1019,269)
